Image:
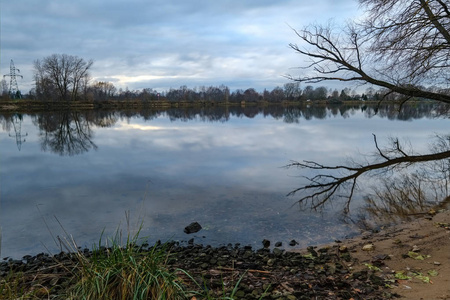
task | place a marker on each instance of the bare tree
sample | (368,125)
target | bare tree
(401,46)
(65,74)
(103,90)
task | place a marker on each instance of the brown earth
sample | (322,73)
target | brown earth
(418,247)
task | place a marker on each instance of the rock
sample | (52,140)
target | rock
(343,249)
(277,252)
(192,228)
(278,244)
(312,251)
(266,243)
(240,294)
(415,249)
(368,247)
(293,243)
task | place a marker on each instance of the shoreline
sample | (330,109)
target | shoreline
(413,255)
(410,260)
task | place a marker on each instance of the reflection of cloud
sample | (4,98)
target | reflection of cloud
(124,127)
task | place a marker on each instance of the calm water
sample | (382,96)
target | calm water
(81,173)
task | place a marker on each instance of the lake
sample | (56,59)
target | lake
(78,174)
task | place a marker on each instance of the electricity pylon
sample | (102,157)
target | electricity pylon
(13,87)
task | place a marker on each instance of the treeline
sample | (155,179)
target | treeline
(290,92)
(62,77)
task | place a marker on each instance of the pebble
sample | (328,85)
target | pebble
(368,247)
(293,243)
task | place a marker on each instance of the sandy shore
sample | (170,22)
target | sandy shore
(421,246)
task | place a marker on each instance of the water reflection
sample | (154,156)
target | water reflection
(71,132)
(218,166)
(65,133)
(16,121)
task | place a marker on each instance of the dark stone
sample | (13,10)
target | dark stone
(316,278)
(192,228)
(278,244)
(312,251)
(277,252)
(266,243)
(293,243)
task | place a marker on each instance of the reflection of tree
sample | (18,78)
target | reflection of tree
(65,133)
(289,114)
(334,179)
(408,195)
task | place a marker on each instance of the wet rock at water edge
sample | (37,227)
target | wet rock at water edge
(278,244)
(266,243)
(293,243)
(192,228)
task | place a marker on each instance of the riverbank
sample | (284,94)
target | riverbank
(411,261)
(28,105)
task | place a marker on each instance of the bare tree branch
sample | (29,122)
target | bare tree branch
(400,46)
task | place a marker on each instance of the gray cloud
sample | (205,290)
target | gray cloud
(163,44)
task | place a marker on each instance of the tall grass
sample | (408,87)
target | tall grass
(125,272)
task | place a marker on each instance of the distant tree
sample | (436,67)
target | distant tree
(237,96)
(345,94)
(335,94)
(277,95)
(251,95)
(148,94)
(215,94)
(103,90)
(62,74)
(320,93)
(4,88)
(225,92)
(292,91)
(400,46)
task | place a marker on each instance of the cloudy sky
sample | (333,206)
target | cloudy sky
(161,44)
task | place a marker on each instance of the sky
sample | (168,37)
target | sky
(163,44)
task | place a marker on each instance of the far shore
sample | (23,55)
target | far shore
(28,105)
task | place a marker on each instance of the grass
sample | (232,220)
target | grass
(126,272)
(122,271)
